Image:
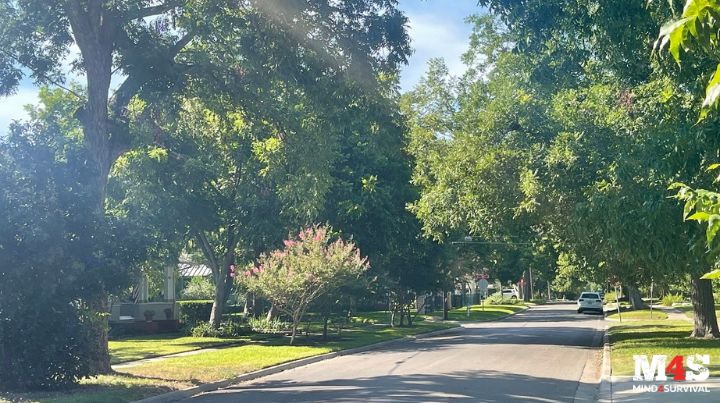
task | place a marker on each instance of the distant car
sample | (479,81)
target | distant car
(589,301)
(510,293)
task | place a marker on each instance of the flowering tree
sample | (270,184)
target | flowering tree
(309,266)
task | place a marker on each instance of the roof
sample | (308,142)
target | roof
(193,270)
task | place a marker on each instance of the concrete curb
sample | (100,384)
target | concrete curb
(208,387)
(605,395)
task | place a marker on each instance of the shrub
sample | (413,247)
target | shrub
(199,288)
(538,301)
(312,264)
(44,347)
(494,299)
(226,329)
(497,299)
(671,299)
(54,252)
(193,312)
(611,296)
(262,325)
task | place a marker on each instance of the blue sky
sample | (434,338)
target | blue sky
(437,29)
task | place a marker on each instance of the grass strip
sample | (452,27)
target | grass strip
(140,347)
(662,337)
(642,314)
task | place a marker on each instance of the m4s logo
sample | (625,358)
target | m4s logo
(645,371)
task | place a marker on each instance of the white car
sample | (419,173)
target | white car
(510,293)
(589,301)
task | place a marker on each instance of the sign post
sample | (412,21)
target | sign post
(482,286)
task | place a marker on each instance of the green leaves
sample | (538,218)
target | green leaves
(712,92)
(697,27)
(672,33)
(713,275)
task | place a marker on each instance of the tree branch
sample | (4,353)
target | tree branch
(152,10)
(41,75)
(181,43)
(207,251)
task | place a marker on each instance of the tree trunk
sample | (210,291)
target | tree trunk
(100,355)
(296,323)
(445,306)
(635,298)
(270,314)
(218,304)
(325,327)
(247,307)
(409,316)
(220,294)
(705,322)
(525,287)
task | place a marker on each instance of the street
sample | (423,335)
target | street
(546,354)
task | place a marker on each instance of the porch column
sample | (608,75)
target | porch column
(169,283)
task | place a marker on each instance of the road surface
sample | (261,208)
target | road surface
(546,354)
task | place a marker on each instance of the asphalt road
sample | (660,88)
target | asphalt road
(547,354)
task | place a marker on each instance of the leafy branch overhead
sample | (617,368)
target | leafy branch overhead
(697,27)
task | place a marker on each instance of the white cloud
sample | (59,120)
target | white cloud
(13,106)
(433,36)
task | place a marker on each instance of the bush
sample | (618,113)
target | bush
(193,312)
(44,347)
(538,301)
(199,288)
(262,325)
(226,329)
(497,299)
(611,296)
(671,299)
(54,252)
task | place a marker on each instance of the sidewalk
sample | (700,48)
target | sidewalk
(673,313)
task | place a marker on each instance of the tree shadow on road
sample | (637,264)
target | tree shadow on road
(482,386)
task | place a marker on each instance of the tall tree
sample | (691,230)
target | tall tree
(155,47)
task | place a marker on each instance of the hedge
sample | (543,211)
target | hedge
(192,312)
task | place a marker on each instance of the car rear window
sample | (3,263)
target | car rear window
(588,295)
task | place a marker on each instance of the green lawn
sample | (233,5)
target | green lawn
(489,312)
(669,337)
(232,361)
(139,347)
(643,314)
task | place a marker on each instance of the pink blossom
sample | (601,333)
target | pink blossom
(247,273)
(255,270)
(288,243)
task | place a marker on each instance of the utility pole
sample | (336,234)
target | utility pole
(531,282)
